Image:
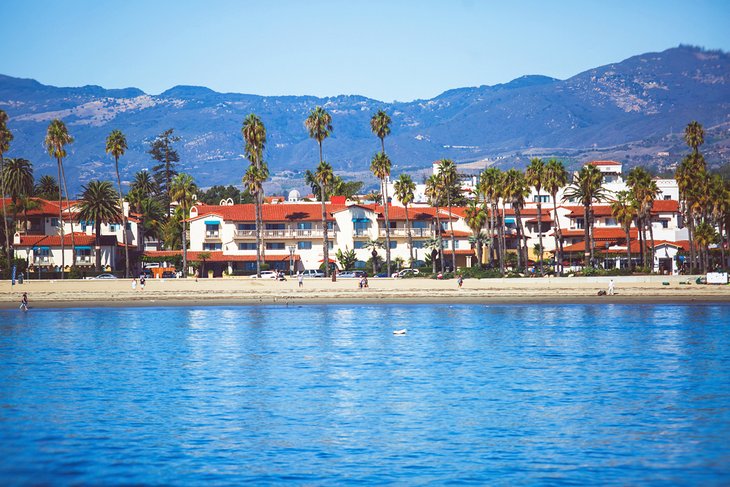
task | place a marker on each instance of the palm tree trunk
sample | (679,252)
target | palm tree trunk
(556,234)
(5,219)
(124,220)
(387,225)
(257,209)
(491,236)
(60,220)
(592,241)
(502,241)
(539,230)
(410,237)
(68,204)
(97,245)
(628,247)
(690,231)
(325,233)
(441,242)
(586,236)
(453,240)
(184,244)
(519,236)
(653,251)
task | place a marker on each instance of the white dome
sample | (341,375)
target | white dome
(294,195)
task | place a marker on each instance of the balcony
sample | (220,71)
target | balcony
(44,260)
(212,235)
(289,233)
(403,232)
(83,260)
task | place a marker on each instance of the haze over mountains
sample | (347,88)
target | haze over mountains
(633,111)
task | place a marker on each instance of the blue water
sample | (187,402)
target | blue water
(564,394)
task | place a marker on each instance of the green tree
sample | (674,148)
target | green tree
(587,188)
(319,126)
(556,178)
(6,136)
(25,204)
(116,145)
(254,137)
(46,188)
(624,210)
(475,216)
(435,245)
(535,176)
(100,204)
(515,191)
(448,176)
(705,235)
(253,180)
(644,191)
(373,245)
(380,126)
(380,166)
(347,259)
(435,193)
(215,194)
(490,184)
(17,178)
(182,189)
(164,153)
(57,138)
(405,189)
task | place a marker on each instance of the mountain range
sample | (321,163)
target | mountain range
(633,111)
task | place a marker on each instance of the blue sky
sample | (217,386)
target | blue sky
(387,50)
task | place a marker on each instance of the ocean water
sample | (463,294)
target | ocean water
(473,394)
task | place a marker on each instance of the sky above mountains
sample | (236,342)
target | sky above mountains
(386,50)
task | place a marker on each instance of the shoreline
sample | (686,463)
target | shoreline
(245,292)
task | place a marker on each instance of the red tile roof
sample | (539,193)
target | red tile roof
(604,163)
(55,240)
(219,256)
(603,233)
(276,212)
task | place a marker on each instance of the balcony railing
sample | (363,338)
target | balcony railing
(43,260)
(289,233)
(212,235)
(403,232)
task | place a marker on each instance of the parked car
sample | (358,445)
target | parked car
(382,274)
(271,275)
(169,274)
(106,276)
(151,265)
(407,273)
(147,273)
(350,274)
(313,273)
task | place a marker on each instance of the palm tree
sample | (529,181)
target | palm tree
(624,210)
(17,177)
(254,136)
(182,190)
(253,181)
(152,216)
(644,191)
(694,136)
(515,191)
(319,125)
(719,197)
(380,126)
(436,246)
(704,236)
(116,145)
(490,182)
(405,192)
(373,245)
(100,204)
(535,176)
(587,188)
(6,136)
(46,188)
(25,204)
(324,176)
(447,174)
(143,184)
(555,178)
(434,191)
(57,138)
(380,166)
(475,215)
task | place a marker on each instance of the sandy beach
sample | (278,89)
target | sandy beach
(245,291)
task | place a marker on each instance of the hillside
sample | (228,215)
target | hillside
(634,110)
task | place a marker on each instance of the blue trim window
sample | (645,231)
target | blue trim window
(419,244)
(420,224)
(359,244)
(54,222)
(113,227)
(212,246)
(393,244)
(247,246)
(304,226)
(275,246)
(275,226)
(304,245)
(246,226)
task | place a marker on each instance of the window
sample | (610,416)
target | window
(393,224)
(393,244)
(330,225)
(247,246)
(113,227)
(304,245)
(667,197)
(419,244)
(359,244)
(212,246)
(331,245)
(665,223)
(304,226)
(246,226)
(54,222)
(209,227)
(579,223)
(83,255)
(420,224)
(610,222)
(276,226)
(275,246)
(543,198)
(129,225)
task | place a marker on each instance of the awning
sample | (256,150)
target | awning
(509,220)
(83,247)
(212,222)
(360,220)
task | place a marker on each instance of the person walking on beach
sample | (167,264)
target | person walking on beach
(24,302)
(134,284)
(300,278)
(610,287)
(142,282)
(460,280)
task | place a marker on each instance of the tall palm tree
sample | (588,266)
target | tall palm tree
(719,197)
(436,246)
(144,184)
(6,136)
(515,191)
(380,166)
(57,138)
(152,216)
(624,209)
(405,192)
(100,204)
(644,191)
(253,181)
(324,176)
(182,190)
(475,215)
(254,136)
(587,188)
(17,177)
(373,245)
(705,235)
(490,182)
(535,176)
(694,136)
(556,178)
(435,191)
(46,188)
(448,176)
(116,145)
(319,126)
(380,126)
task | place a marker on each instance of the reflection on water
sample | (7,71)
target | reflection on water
(327,394)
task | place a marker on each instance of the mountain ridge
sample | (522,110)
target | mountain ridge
(631,110)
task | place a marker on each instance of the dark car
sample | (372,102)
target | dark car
(169,274)
(147,273)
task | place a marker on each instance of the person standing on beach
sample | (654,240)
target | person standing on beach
(24,302)
(460,280)
(142,281)
(134,284)
(610,287)
(300,277)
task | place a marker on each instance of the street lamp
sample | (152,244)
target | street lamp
(291,259)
